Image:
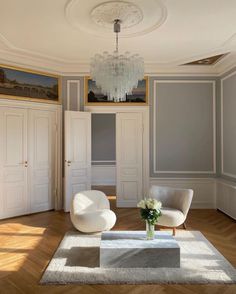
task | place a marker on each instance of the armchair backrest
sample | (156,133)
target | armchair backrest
(89,201)
(172,197)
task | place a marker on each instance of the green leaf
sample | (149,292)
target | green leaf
(150,215)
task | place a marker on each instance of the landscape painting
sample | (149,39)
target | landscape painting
(94,96)
(27,85)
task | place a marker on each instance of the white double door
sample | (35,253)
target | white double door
(129,156)
(27,160)
(129,159)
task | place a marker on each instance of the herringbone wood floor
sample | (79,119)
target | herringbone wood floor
(28,243)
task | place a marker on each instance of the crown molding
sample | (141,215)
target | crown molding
(226,64)
(23,59)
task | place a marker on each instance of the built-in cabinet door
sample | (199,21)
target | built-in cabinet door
(77,154)
(41,159)
(13,162)
(129,133)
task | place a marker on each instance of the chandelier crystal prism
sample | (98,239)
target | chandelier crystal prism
(117,74)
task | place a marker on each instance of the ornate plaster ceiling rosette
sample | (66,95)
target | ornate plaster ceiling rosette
(137,17)
(105,13)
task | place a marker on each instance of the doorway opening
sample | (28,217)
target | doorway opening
(107,149)
(103,157)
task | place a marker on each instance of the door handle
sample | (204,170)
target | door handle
(25,163)
(68,162)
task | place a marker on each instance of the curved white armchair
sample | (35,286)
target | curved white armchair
(175,205)
(90,212)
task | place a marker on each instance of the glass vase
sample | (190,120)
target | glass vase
(150,231)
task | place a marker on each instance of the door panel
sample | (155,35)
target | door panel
(129,132)
(42,136)
(129,190)
(77,154)
(13,155)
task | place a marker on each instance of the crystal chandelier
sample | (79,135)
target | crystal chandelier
(117,74)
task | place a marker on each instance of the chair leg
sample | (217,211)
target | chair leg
(174,231)
(184,225)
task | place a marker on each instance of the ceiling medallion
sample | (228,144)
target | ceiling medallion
(129,14)
(137,17)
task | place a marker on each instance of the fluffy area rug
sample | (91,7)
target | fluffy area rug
(77,261)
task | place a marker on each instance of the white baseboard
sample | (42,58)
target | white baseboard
(104,175)
(204,189)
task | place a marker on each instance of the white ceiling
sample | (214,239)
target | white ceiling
(60,35)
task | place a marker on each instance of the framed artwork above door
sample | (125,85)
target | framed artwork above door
(24,84)
(93,94)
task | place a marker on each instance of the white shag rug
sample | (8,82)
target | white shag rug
(77,261)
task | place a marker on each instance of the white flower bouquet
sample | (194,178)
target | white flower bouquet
(150,210)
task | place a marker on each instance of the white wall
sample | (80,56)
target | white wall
(104,175)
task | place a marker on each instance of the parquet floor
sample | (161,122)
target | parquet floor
(27,244)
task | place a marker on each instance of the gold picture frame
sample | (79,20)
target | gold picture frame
(88,84)
(29,85)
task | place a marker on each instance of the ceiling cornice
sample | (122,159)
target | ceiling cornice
(23,59)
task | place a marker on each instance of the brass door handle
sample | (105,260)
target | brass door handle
(25,163)
(68,162)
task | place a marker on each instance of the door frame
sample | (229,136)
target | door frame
(145,115)
(58,144)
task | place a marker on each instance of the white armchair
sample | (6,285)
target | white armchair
(175,205)
(90,212)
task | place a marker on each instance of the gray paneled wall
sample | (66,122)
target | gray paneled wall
(183,128)
(103,138)
(228,125)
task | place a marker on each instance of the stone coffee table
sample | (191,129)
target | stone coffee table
(130,249)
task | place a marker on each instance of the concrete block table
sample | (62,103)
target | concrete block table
(130,249)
